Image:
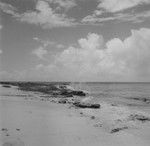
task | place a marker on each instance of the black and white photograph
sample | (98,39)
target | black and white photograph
(74,72)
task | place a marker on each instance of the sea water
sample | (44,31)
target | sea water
(123,93)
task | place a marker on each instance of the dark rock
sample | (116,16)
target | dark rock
(62,87)
(92,117)
(147,100)
(66,93)
(7,135)
(62,101)
(78,93)
(55,93)
(70,93)
(76,103)
(4,129)
(6,86)
(113,104)
(86,105)
(139,118)
(118,129)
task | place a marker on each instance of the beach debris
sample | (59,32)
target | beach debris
(118,129)
(63,101)
(62,87)
(139,117)
(6,86)
(86,105)
(98,125)
(143,99)
(93,117)
(4,129)
(7,134)
(113,104)
(54,101)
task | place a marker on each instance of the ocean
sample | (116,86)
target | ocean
(122,93)
(135,95)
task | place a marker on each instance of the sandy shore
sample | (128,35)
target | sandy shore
(25,120)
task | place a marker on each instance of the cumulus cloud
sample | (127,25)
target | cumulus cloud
(40,52)
(108,10)
(94,60)
(97,60)
(7,8)
(43,14)
(60,46)
(66,4)
(119,5)
(45,44)
(46,17)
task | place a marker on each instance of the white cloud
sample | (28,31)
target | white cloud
(46,17)
(7,8)
(119,5)
(94,60)
(110,10)
(40,52)
(44,42)
(66,4)
(43,14)
(98,12)
(120,17)
(94,19)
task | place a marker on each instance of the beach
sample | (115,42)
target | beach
(30,119)
(74,72)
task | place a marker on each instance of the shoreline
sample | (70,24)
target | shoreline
(30,121)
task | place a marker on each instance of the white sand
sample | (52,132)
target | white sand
(42,123)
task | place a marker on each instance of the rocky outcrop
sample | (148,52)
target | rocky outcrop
(71,93)
(86,105)
(56,89)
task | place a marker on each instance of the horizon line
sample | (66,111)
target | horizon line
(80,81)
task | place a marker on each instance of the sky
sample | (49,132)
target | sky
(75,40)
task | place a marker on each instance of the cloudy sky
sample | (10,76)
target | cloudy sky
(75,40)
